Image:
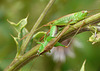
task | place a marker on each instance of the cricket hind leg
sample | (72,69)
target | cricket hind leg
(75,34)
(59,44)
(52,31)
(43,36)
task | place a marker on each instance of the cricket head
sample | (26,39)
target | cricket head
(80,15)
(84,13)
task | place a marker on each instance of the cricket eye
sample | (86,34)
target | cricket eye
(82,11)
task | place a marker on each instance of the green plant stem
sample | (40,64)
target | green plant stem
(18,63)
(23,47)
(31,54)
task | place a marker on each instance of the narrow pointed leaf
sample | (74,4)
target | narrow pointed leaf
(15,39)
(19,25)
(83,66)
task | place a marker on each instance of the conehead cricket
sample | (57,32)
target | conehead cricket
(69,19)
(57,24)
(62,21)
(65,20)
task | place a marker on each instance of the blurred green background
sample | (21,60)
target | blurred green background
(81,49)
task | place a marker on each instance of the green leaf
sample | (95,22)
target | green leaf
(83,66)
(94,39)
(93,28)
(15,39)
(12,23)
(19,25)
(99,23)
(22,31)
(29,45)
(21,34)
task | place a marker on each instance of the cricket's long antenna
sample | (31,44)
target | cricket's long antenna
(75,35)
(33,63)
(43,26)
(39,28)
(35,31)
(93,10)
